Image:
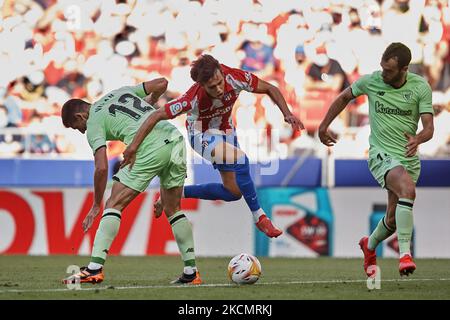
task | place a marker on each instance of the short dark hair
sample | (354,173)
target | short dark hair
(400,51)
(70,108)
(204,68)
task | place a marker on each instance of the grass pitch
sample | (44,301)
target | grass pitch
(36,277)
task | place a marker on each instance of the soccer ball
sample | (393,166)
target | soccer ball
(244,269)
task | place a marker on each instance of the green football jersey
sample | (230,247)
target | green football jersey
(118,116)
(392,112)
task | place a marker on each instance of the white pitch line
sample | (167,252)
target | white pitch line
(217,285)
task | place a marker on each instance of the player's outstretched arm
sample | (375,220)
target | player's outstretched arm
(129,155)
(100,180)
(155,88)
(336,108)
(276,96)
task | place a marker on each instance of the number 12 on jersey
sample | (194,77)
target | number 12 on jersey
(126,110)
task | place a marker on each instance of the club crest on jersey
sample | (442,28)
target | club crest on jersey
(206,142)
(407,96)
(248,77)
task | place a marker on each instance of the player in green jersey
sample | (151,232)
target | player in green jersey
(118,116)
(397,100)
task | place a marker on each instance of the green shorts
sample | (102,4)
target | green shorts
(380,163)
(167,162)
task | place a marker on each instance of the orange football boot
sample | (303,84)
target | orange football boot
(407,265)
(85,276)
(370,256)
(265,225)
(188,279)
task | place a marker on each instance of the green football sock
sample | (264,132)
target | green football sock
(106,232)
(381,232)
(182,230)
(404,220)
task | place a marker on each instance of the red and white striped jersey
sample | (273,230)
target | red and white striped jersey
(204,112)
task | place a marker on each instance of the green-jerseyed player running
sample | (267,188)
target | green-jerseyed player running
(397,100)
(117,116)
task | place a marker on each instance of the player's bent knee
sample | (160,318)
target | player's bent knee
(237,196)
(233,197)
(235,193)
(171,210)
(112,203)
(408,192)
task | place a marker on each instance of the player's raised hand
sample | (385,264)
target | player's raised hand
(151,98)
(412,145)
(89,220)
(327,137)
(129,157)
(296,124)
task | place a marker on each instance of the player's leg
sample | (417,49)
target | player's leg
(390,213)
(229,182)
(127,185)
(380,164)
(226,191)
(401,183)
(121,196)
(182,231)
(172,179)
(386,226)
(158,206)
(235,172)
(384,229)
(224,152)
(204,145)
(207,191)
(230,158)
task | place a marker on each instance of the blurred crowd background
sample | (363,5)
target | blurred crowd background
(52,50)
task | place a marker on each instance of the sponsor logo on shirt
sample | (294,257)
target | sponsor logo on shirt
(176,108)
(381,108)
(380,93)
(227,96)
(216,113)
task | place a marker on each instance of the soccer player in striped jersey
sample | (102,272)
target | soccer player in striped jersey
(208,104)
